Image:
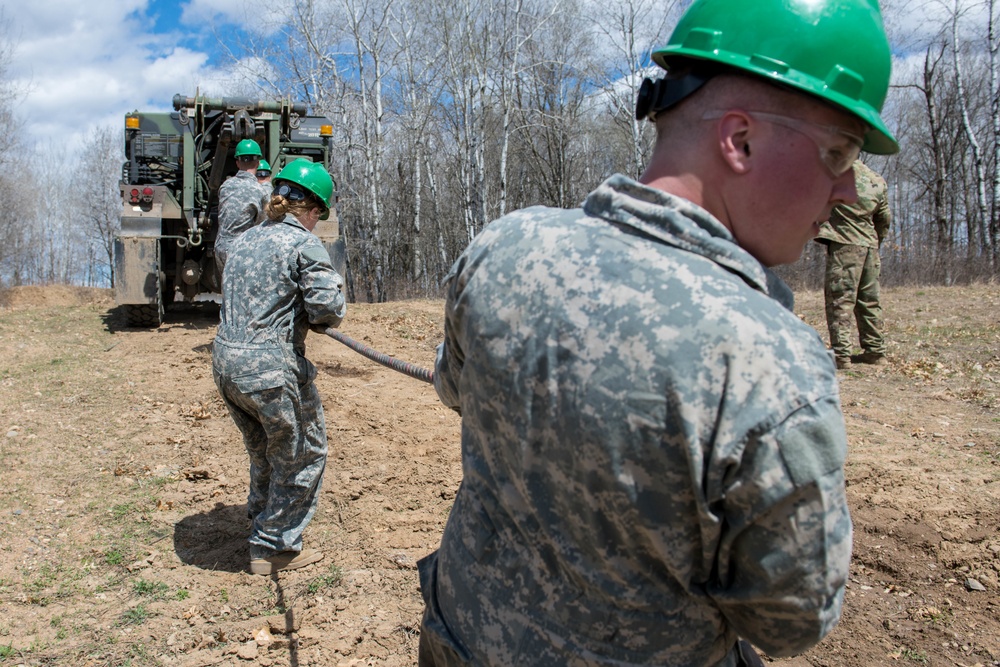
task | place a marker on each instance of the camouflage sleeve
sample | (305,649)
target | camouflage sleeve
(321,285)
(882,216)
(265,195)
(783,561)
(449,361)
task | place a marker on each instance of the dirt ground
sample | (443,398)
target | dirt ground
(123,526)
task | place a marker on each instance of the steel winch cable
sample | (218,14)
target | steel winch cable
(404,367)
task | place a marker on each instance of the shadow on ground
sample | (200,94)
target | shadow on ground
(214,540)
(200,315)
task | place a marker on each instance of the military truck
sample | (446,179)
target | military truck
(175,163)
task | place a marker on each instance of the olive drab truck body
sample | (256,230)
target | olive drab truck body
(175,163)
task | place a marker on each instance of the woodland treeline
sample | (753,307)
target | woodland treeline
(449,113)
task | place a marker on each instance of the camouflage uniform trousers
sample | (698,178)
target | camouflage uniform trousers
(852,295)
(285,436)
(432,652)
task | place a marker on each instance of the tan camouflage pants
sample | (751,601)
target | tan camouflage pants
(851,293)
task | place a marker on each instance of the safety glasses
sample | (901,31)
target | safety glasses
(838,148)
(263,174)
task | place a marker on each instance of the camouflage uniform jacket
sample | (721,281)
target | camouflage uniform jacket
(866,222)
(278,280)
(241,206)
(652,445)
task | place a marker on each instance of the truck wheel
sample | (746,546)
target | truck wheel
(144,315)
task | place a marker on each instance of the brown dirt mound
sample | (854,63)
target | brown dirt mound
(25,296)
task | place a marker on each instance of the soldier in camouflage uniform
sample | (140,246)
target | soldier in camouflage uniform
(853,236)
(241,201)
(652,442)
(264,178)
(260,368)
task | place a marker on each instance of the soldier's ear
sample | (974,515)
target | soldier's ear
(733,138)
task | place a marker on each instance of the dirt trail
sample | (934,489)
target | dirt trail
(122,525)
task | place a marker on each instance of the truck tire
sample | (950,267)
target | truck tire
(145,315)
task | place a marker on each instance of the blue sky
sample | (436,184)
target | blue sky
(166,13)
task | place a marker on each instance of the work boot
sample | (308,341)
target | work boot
(285,560)
(873,358)
(843,362)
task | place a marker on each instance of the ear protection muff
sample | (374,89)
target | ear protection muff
(661,94)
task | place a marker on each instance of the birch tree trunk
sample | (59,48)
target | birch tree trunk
(993,45)
(418,53)
(468,39)
(367,23)
(979,172)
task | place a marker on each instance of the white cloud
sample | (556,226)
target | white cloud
(225,11)
(251,15)
(86,64)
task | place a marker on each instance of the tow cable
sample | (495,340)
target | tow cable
(404,367)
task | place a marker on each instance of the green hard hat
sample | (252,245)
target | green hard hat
(311,176)
(264,165)
(836,50)
(248,147)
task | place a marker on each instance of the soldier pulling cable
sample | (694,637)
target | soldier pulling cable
(404,367)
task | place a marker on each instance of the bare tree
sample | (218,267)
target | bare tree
(449,113)
(629,31)
(552,96)
(62,241)
(9,94)
(469,40)
(17,212)
(940,177)
(970,133)
(99,195)
(367,26)
(19,224)
(993,48)
(419,91)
